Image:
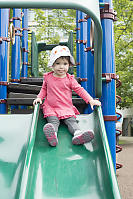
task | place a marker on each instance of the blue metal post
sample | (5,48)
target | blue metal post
(83,54)
(108,97)
(24,72)
(90,64)
(77,43)
(15,70)
(4,21)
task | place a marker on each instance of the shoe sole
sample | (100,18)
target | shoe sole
(49,132)
(84,138)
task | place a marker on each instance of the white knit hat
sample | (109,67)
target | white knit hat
(60,51)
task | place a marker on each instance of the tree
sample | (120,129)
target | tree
(52,25)
(123,36)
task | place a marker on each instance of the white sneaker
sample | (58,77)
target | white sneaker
(82,137)
(50,134)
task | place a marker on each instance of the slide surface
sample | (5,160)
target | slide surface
(31,169)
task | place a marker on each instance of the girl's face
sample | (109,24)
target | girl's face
(60,67)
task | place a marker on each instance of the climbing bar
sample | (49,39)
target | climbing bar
(118,84)
(118,132)
(118,99)
(118,149)
(118,166)
(120,116)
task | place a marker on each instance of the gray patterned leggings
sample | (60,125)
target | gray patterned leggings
(70,122)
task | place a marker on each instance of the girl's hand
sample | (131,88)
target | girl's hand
(37,100)
(94,102)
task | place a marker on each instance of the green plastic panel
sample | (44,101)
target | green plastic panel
(14,137)
(34,55)
(32,170)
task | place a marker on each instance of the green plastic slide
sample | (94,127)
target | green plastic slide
(31,169)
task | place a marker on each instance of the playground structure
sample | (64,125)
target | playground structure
(37,170)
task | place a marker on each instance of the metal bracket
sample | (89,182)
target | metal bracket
(25,29)
(18,34)
(89,49)
(87,17)
(82,20)
(109,76)
(110,118)
(25,63)
(4,39)
(82,79)
(15,18)
(81,41)
(2,101)
(4,83)
(108,13)
(77,29)
(15,80)
(24,50)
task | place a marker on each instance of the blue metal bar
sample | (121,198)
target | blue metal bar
(90,62)
(83,55)
(77,44)
(108,97)
(90,65)
(4,21)
(15,71)
(24,72)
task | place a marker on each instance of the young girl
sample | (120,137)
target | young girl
(57,90)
